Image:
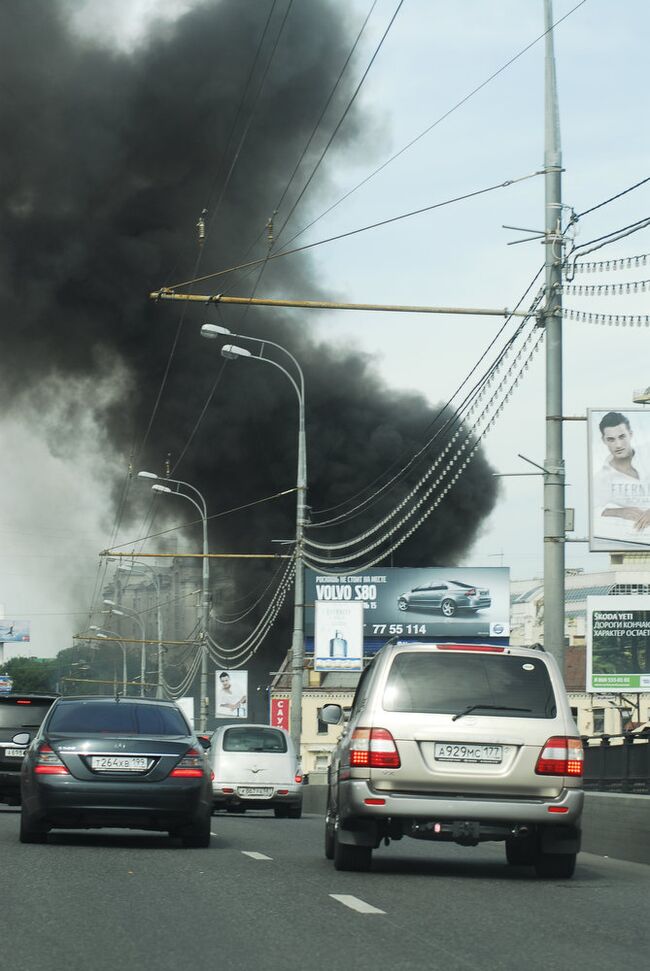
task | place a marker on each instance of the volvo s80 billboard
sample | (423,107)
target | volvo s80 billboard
(446,602)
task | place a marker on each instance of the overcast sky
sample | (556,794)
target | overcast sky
(434,56)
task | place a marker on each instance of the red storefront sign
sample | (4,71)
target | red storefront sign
(280,713)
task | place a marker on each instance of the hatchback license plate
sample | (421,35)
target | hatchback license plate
(15,753)
(264,791)
(118,763)
(462,752)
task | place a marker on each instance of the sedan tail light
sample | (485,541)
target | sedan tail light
(191,766)
(373,748)
(561,756)
(49,763)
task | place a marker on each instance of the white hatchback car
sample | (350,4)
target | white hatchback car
(256,767)
(460,743)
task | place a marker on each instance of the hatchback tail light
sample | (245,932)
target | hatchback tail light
(49,763)
(561,756)
(191,766)
(373,748)
(298,778)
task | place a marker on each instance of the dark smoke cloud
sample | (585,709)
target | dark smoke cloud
(108,159)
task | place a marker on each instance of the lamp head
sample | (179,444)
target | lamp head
(231,352)
(147,475)
(156,487)
(212,331)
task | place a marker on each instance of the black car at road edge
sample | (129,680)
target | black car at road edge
(20,718)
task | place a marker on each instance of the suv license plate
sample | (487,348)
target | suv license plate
(118,763)
(265,791)
(455,752)
(15,753)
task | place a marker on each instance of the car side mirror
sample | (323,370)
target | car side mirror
(22,738)
(331,714)
(205,742)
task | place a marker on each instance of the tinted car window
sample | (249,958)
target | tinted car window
(119,718)
(450,683)
(21,714)
(254,740)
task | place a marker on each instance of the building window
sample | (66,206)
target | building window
(322,762)
(323,727)
(599,721)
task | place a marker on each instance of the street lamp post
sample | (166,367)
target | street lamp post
(121,611)
(130,568)
(205,585)
(233,352)
(105,635)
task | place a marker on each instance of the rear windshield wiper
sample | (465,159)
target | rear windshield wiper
(469,708)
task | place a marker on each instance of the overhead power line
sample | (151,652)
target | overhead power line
(353,232)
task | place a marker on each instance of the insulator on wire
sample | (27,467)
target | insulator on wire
(201,225)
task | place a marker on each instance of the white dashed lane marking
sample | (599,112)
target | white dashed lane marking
(354,903)
(256,856)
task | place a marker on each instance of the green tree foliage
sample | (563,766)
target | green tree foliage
(31,675)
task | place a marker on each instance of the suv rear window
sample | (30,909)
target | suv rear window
(116,718)
(254,740)
(450,683)
(22,712)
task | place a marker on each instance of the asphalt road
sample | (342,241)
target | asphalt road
(264,897)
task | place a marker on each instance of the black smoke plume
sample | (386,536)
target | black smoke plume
(108,160)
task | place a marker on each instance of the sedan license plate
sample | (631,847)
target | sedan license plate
(15,753)
(465,752)
(118,763)
(259,791)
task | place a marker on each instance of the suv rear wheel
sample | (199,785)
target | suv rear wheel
(347,856)
(555,865)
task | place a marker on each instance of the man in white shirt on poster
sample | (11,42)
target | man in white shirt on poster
(622,485)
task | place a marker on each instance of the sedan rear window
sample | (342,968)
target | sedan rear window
(450,683)
(254,740)
(117,718)
(22,713)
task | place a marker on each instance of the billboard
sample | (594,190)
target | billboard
(6,684)
(619,479)
(280,713)
(13,631)
(618,644)
(338,635)
(231,694)
(445,602)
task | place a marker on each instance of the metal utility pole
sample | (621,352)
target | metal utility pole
(554,514)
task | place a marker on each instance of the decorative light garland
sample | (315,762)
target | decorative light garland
(611,320)
(605,289)
(626,263)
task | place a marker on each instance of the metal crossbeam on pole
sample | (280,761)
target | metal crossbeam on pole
(333,305)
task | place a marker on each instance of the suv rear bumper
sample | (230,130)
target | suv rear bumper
(565,809)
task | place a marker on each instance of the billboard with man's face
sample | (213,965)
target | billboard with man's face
(231,694)
(444,602)
(619,479)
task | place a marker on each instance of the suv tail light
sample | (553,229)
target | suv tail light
(191,766)
(49,763)
(561,756)
(373,748)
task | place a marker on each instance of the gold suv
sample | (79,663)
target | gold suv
(460,743)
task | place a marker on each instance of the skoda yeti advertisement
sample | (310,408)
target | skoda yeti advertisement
(439,602)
